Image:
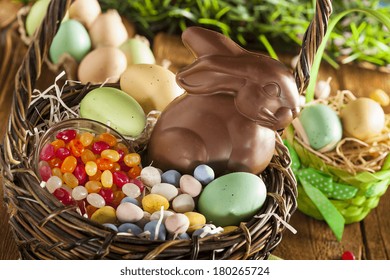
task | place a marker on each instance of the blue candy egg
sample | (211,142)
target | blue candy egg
(171,177)
(204,174)
(151,227)
(131,200)
(111,226)
(130,228)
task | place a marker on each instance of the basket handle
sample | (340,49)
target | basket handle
(311,42)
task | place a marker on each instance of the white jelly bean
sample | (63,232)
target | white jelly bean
(96,200)
(129,213)
(150,176)
(190,185)
(131,190)
(168,191)
(177,223)
(53,183)
(79,193)
(183,203)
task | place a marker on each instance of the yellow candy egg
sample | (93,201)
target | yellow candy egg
(381,97)
(153,202)
(196,219)
(104,215)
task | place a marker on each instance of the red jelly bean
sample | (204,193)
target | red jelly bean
(120,178)
(107,194)
(123,166)
(67,135)
(63,195)
(121,155)
(62,153)
(45,172)
(47,152)
(80,174)
(348,255)
(138,183)
(99,146)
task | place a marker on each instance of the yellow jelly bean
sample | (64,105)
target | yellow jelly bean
(112,155)
(107,179)
(153,202)
(381,97)
(86,138)
(91,168)
(104,215)
(70,180)
(196,219)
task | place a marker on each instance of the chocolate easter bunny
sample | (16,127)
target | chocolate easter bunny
(235,100)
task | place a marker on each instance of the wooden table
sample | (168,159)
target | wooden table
(369,239)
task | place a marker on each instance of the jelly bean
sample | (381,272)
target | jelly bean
(67,135)
(63,195)
(132,159)
(104,215)
(47,152)
(118,196)
(134,172)
(131,190)
(204,174)
(120,178)
(93,186)
(112,155)
(196,219)
(108,138)
(55,162)
(130,199)
(62,153)
(86,138)
(348,255)
(80,173)
(129,213)
(171,177)
(91,168)
(70,180)
(177,223)
(106,179)
(116,167)
(107,194)
(57,172)
(130,228)
(91,210)
(150,176)
(81,207)
(53,183)
(96,200)
(154,227)
(183,203)
(104,164)
(58,143)
(121,154)
(88,155)
(99,146)
(122,147)
(156,215)
(79,193)
(76,147)
(190,185)
(45,172)
(166,190)
(153,202)
(111,226)
(95,177)
(69,164)
(138,183)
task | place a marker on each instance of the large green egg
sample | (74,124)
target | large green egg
(35,16)
(232,198)
(116,108)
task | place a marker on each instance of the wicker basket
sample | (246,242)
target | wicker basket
(45,229)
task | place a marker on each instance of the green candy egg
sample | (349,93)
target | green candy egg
(322,126)
(232,198)
(137,52)
(36,15)
(71,38)
(116,108)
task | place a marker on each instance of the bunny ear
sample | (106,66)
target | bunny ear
(201,42)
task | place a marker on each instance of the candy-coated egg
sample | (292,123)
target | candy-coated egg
(156,215)
(130,200)
(232,198)
(204,174)
(137,51)
(36,15)
(196,219)
(189,185)
(183,203)
(150,176)
(363,118)
(380,96)
(145,219)
(114,107)
(108,30)
(105,64)
(153,202)
(154,227)
(85,11)
(177,223)
(166,190)
(111,226)
(171,177)
(130,228)
(153,86)
(229,229)
(129,213)
(72,38)
(104,215)
(322,126)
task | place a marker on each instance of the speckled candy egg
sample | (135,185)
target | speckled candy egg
(129,213)
(153,202)
(189,185)
(232,198)
(171,177)
(154,227)
(183,203)
(137,51)
(150,176)
(204,174)
(166,190)
(130,228)
(104,215)
(177,223)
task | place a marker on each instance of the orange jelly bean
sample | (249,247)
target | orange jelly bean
(112,155)
(86,138)
(121,146)
(104,164)
(134,172)
(57,172)
(88,155)
(116,167)
(90,210)
(76,147)
(132,159)
(108,138)
(55,162)
(95,177)
(69,164)
(70,180)
(58,143)
(106,179)
(93,186)
(118,196)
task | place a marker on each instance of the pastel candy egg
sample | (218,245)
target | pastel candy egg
(145,219)
(129,213)
(36,15)
(189,185)
(153,202)
(157,231)
(137,51)
(130,228)
(204,174)
(177,223)
(114,107)
(72,38)
(130,200)
(232,198)
(150,176)
(104,215)
(183,203)
(196,219)
(156,215)
(111,226)
(322,126)
(183,236)
(166,190)
(171,177)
